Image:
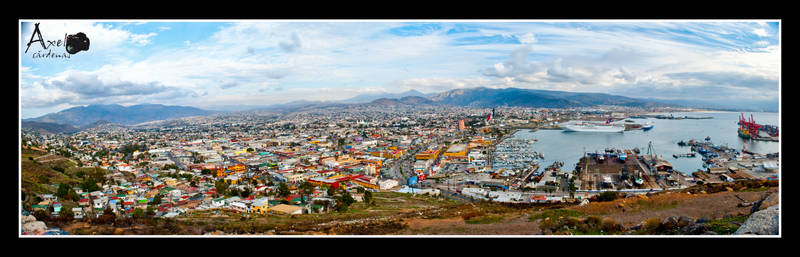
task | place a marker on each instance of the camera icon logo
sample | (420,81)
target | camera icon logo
(77,42)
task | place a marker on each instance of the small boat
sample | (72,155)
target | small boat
(647,126)
(682,143)
(708,138)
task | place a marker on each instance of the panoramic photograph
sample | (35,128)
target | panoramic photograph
(399,128)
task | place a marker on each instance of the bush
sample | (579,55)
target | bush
(549,224)
(573,222)
(469,215)
(593,221)
(651,224)
(607,196)
(611,227)
(41,215)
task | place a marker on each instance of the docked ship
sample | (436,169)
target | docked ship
(749,129)
(647,126)
(592,127)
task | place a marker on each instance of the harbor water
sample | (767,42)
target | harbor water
(568,147)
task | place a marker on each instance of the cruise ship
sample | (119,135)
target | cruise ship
(589,127)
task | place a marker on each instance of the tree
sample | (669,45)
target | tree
(607,196)
(283,190)
(156,200)
(41,215)
(138,213)
(220,185)
(150,211)
(63,190)
(89,185)
(347,198)
(306,189)
(331,191)
(368,198)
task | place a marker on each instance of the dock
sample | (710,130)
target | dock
(598,171)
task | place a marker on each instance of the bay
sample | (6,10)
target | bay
(558,145)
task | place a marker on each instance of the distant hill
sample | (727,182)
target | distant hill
(365,98)
(408,100)
(48,127)
(488,97)
(114,113)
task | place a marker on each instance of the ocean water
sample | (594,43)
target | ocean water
(558,145)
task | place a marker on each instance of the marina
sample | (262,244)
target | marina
(558,145)
(630,161)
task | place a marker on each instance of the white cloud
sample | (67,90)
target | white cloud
(761,32)
(142,39)
(340,60)
(527,38)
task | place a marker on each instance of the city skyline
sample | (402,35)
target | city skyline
(257,63)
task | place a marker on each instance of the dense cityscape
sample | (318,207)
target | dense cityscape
(316,162)
(399,128)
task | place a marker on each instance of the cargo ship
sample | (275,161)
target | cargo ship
(592,127)
(749,129)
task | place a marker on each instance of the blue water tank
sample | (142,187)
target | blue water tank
(412,180)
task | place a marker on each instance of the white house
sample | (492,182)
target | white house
(99,204)
(239,206)
(389,183)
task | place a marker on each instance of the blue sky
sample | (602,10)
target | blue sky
(257,63)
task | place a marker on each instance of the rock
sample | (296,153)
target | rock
(703,192)
(29,218)
(685,221)
(620,205)
(709,232)
(118,231)
(763,222)
(729,189)
(34,227)
(670,222)
(703,220)
(767,201)
(694,229)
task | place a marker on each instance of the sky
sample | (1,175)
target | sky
(215,65)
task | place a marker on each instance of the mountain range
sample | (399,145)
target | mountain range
(78,118)
(366,98)
(115,113)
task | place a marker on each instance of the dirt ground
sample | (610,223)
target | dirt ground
(514,225)
(712,206)
(637,210)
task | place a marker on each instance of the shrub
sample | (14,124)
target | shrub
(611,227)
(651,224)
(607,196)
(593,221)
(548,224)
(469,215)
(573,222)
